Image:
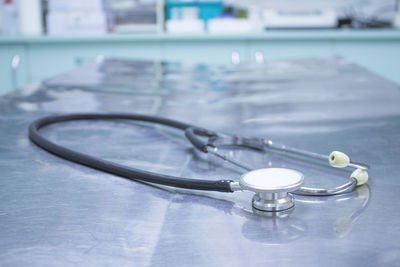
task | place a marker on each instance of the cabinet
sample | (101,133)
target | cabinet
(287,49)
(42,57)
(13,67)
(382,57)
(206,51)
(54,58)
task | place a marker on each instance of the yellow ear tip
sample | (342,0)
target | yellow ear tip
(338,159)
(361,176)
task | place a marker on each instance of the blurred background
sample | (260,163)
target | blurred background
(42,38)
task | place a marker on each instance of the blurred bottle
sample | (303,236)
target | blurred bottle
(1,17)
(396,22)
(9,18)
(30,17)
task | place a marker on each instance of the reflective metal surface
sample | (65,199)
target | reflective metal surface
(53,212)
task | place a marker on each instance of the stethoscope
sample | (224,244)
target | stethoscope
(273,187)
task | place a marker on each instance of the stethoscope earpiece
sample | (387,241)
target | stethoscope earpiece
(360,175)
(339,159)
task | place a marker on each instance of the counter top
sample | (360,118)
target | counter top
(58,213)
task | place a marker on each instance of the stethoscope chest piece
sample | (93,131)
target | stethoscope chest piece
(272,187)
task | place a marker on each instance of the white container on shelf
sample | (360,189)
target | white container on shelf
(71,22)
(1,18)
(319,18)
(89,5)
(76,17)
(9,18)
(230,25)
(30,17)
(185,26)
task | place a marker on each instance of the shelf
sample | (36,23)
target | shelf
(332,34)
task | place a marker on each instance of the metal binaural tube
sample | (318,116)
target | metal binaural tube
(214,151)
(268,144)
(271,145)
(345,188)
(284,148)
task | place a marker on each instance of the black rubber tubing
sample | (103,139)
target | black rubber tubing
(115,168)
(192,134)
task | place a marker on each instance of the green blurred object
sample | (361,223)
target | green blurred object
(241,13)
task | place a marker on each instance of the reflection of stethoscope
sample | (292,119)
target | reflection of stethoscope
(281,228)
(271,185)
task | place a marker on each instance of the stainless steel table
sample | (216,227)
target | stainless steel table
(53,212)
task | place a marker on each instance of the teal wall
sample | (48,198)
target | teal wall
(43,57)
